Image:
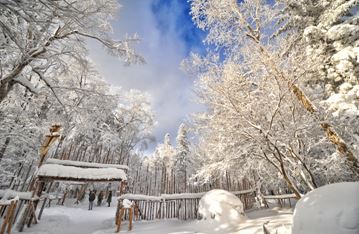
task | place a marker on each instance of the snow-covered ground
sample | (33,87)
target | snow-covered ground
(72,219)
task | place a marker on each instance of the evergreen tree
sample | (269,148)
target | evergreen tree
(182,158)
(163,166)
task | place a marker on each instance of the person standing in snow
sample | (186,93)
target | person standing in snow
(99,198)
(109,198)
(92,197)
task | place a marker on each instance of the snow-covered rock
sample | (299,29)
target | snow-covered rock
(329,209)
(222,206)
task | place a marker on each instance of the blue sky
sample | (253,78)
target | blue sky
(167,36)
(181,22)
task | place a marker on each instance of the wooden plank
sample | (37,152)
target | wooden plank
(131,217)
(32,215)
(185,209)
(145,210)
(119,219)
(44,202)
(4,223)
(24,217)
(150,210)
(11,216)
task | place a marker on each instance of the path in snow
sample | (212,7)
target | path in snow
(79,220)
(74,220)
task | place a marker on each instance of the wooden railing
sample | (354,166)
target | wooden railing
(182,206)
(281,199)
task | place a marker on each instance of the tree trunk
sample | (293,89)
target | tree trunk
(4,147)
(5,89)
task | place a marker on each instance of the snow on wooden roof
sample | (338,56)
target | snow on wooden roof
(71,173)
(84,164)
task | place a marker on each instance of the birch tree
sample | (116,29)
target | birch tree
(326,31)
(254,125)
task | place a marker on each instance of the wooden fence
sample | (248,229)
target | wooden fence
(182,206)
(281,199)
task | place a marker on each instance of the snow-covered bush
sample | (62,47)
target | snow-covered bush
(332,208)
(222,206)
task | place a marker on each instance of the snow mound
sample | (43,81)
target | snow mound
(223,207)
(127,203)
(329,209)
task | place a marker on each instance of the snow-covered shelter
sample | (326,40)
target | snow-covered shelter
(66,170)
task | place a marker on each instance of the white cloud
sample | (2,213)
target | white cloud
(161,77)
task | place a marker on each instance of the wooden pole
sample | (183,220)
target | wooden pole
(33,209)
(49,140)
(33,204)
(11,215)
(131,216)
(44,202)
(5,222)
(119,219)
(23,218)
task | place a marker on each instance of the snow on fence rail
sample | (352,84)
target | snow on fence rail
(9,194)
(8,202)
(138,197)
(182,206)
(280,198)
(176,196)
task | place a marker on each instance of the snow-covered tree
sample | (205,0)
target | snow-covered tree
(258,113)
(37,39)
(237,135)
(182,159)
(160,168)
(165,152)
(326,31)
(163,156)
(99,123)
(249,24)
